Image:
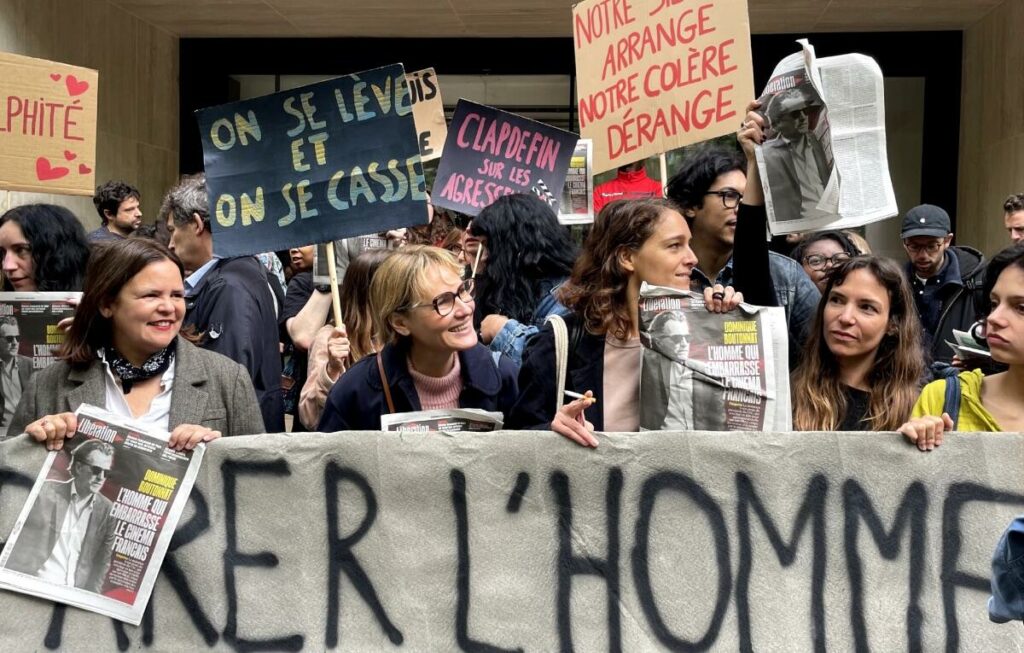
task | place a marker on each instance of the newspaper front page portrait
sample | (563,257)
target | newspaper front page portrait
(15,369)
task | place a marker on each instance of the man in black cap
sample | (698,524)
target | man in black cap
(947,281)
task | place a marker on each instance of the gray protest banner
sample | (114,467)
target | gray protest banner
(523,541)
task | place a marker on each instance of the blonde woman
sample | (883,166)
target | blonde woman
(423,313)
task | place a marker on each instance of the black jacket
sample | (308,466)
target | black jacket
(233,309)
(959,300)
(536,405)
(356,402)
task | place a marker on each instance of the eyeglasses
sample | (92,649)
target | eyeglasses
(931,247)
(95,470)
(444,303)
(730,198)
(13,338)
(819,262)
(455,249)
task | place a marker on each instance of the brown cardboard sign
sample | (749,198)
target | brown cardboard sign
(428,112)
(47,126)
(655,75)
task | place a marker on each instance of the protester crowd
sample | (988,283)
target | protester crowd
(454,314)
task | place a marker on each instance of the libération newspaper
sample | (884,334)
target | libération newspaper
(29,336)
(455,420)
(706,371)
(823,164)
(100,516)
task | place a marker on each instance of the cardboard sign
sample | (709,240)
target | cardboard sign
(428,111)
(317,163)
(576,204)
(655,75)
(659,541)
(47,126)
(493,153)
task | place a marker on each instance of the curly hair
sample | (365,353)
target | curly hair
(819,400)
(109,196)
(596,291)
(690,185)
(525,246)
(59,247)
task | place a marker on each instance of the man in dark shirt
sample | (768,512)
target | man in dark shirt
(229,300)
(118,206)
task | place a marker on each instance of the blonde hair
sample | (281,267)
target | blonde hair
(401,281)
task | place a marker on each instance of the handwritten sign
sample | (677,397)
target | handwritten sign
(317,163)
(494,153)
(655,75)
(428,112)
(47,126)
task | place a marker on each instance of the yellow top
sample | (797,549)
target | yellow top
(973,416)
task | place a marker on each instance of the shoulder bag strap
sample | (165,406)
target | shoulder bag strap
(561,355)
(384,382)
(951,405)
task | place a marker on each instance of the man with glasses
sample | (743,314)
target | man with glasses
(947,281)
(15,370)
(708,188)
(69,534)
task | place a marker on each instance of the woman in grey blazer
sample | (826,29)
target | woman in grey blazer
(124,353)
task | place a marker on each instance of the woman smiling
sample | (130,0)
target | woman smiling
(423,312)
(124,353)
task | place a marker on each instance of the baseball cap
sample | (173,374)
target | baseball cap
(926,220)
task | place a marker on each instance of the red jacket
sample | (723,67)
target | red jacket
(626,186)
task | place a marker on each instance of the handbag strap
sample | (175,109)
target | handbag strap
(384,382)
(951,404)
(561,355)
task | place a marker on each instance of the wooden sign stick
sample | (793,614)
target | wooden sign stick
(332,270)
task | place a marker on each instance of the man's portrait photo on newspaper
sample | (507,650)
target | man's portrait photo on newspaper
(15,369)
(69,533)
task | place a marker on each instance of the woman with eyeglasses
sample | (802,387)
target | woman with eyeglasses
(821,251)
(987,402)
(125,352)
(863,364)
(529,255)
(423,313)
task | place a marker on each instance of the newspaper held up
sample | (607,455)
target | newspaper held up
(100,517)
(706,371)
(824,164)
(29,336)
(576,204)
(447,421)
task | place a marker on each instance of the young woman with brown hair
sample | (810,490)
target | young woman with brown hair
(862,365)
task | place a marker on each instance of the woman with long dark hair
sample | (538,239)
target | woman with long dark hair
(992,402)
(863,362)
(44,248)
(529,255)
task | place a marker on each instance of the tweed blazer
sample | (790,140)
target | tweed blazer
(209,389)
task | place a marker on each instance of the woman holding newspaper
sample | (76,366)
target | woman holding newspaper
(124,353)
(974,401)
(423,313)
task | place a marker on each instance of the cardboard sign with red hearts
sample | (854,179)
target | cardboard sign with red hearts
(47,126)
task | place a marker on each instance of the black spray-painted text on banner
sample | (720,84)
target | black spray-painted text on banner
(491,153)
(330,160)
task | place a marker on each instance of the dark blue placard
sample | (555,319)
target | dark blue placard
(326,161)
(490,153)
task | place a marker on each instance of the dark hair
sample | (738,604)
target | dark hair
(597,288)
(355,302)
(112,265)
(58,243)
(688,187)
(836,236)
(526,245)
(819,401)
(1012,255)
(109,196)
(1014,203)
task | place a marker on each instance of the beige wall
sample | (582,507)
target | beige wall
(137,134)
(991,125)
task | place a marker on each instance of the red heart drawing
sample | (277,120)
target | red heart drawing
(83,169)
(69,155)
(45,171)
(55,76)
(76,87)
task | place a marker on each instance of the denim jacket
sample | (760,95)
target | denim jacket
(1007,600)
(511,340)
(794,290)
